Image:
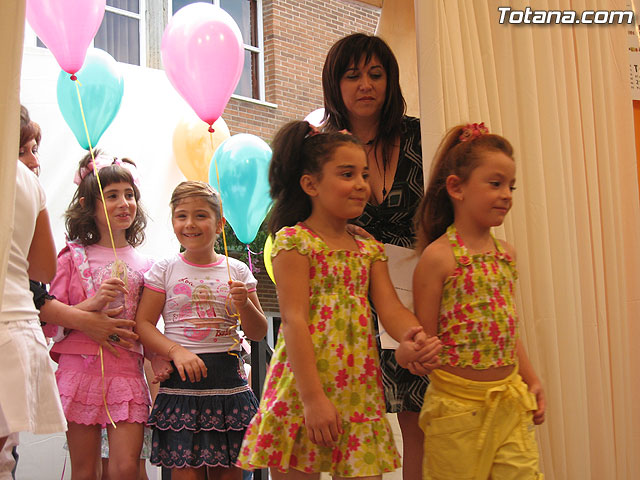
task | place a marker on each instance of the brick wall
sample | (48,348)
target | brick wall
(297,36)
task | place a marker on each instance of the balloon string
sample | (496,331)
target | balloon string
(104,395)
(106,215)
(224,235)
(95,171)
(226,253)
(249,256)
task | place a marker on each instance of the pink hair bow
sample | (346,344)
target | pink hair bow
(104,160)
(313,131)
(473,130)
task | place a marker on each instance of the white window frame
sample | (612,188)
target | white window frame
(142,28)
(30,37)
(259,50)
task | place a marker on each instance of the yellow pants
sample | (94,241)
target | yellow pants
(478,430)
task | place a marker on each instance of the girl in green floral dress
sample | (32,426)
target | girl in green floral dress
(323,408)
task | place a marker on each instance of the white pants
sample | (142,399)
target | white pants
(29,399)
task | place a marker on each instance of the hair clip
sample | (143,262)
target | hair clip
(104,160)
(472,130)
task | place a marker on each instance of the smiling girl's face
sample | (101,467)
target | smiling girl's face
(120,200)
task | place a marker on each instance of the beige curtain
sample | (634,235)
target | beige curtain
(561,95)
(397,27)
(11,39)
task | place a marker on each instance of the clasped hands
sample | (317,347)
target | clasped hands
(418,352)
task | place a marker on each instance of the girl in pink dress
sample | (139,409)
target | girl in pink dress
(98,388)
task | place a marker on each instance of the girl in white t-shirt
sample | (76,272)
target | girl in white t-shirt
(205,405)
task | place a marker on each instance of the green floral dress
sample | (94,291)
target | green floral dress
(347,361)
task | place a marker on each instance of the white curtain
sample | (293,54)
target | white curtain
(11,39)
(561,95)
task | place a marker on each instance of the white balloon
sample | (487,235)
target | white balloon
(315,117)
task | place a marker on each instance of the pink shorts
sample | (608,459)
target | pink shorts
(81,385)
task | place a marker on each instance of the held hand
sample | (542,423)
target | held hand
(416,347)
(418,369)
(239,294)
(324,425)
(107,293)
(428,349)
(161,368)
(187,364)
(538,415)
(99,326)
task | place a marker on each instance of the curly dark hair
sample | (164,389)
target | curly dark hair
(453,157)
(298,150)
(80,215)
(348,51)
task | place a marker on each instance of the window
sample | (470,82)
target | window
(120,33)
(248,15)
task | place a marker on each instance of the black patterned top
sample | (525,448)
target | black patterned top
(392,220)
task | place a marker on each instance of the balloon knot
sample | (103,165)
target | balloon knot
(211,130)
(73,77)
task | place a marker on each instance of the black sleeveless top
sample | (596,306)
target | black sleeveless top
(392,220)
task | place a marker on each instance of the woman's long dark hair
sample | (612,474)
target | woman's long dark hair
(345,53)
(297,150)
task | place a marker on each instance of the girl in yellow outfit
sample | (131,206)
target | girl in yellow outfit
(481,406)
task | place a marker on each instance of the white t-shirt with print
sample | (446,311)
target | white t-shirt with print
(198,312)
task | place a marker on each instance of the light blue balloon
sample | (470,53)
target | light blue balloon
(243,166)
(101,89)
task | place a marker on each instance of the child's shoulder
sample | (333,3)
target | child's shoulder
(293,231)
(508,248)
(295,237)
(235,263)
(370,245)
(163,263)
(438,256)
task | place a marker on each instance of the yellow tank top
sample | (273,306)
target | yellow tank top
(478,325)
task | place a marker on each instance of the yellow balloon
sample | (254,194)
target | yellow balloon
(266,252)
(193,146)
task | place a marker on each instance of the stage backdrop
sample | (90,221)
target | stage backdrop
(561,95)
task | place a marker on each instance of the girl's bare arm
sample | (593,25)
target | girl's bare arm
(291,272)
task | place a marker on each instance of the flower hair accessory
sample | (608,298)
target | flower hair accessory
(104,160)
(472,130)
(313,131)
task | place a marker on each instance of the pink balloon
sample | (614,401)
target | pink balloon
(66,27)
(203,55)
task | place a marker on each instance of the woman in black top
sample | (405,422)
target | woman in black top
(362,94)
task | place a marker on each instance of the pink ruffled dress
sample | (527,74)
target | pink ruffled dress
(85,374)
